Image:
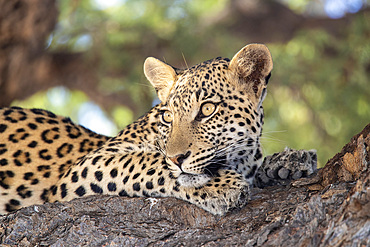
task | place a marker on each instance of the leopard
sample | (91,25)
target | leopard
(200,144)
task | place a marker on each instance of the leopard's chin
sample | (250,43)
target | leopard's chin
(193,180)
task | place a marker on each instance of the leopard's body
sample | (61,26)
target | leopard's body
(200,144)
(37,147)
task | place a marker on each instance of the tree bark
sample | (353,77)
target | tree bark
(331,208)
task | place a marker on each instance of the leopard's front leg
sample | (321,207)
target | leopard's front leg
(224,192)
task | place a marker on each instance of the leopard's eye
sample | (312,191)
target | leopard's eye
(208,109)
(167,117)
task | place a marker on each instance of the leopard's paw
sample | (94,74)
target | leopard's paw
(222,193)
(281,168)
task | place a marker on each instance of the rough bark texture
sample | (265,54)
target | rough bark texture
(331,208)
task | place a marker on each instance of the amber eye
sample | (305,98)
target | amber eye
(167,117)
(207,109)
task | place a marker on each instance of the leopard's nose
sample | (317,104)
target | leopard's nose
(179,159)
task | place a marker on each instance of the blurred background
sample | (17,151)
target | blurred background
(84,59)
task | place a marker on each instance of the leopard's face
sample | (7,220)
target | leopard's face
(212,119)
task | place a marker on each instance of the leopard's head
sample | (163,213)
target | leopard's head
(211,114)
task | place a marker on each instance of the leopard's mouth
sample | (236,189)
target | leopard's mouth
(186,179)
(215,164)
(209,168)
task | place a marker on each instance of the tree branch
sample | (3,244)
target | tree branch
(272,21)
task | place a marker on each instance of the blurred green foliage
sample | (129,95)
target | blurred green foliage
(318,94)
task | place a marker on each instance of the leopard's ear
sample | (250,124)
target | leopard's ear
(161,76)
(253,65)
